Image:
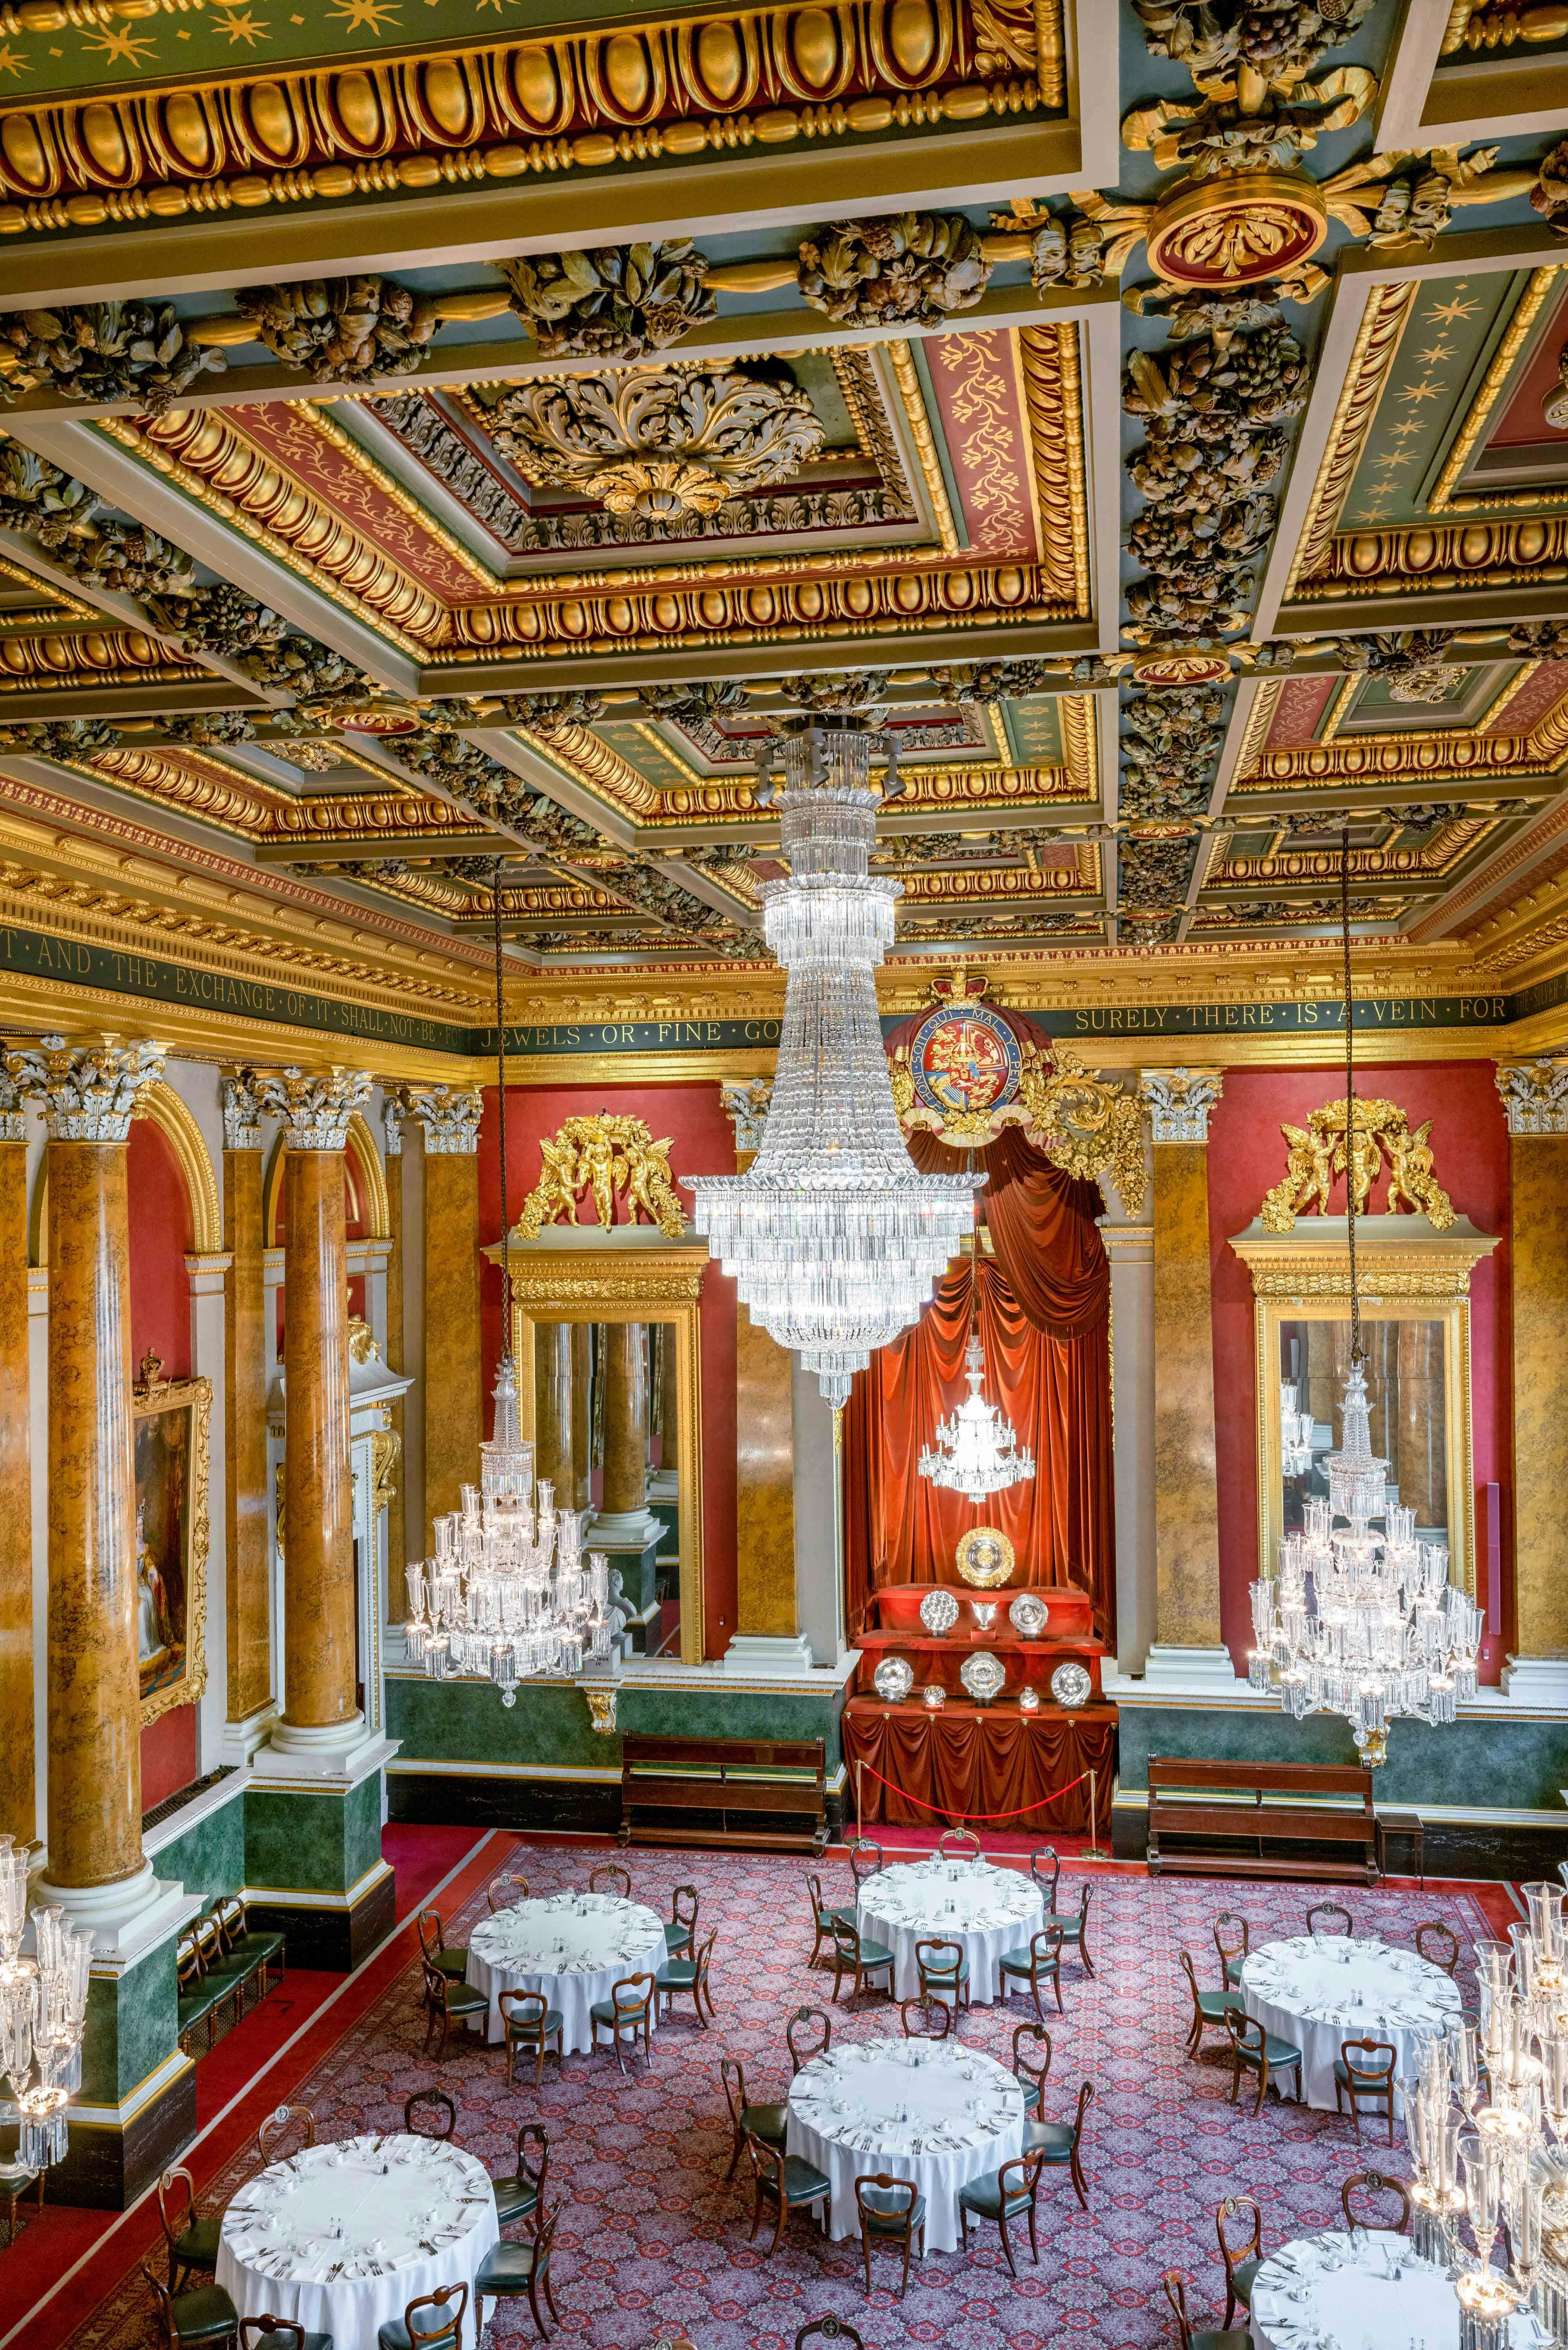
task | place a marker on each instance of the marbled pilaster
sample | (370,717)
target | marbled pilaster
(18,1801)
(552,1456)
(454,1402)
(392,1115)
(582,1414)
(244,1418)
(1535,1100)
(765,1534)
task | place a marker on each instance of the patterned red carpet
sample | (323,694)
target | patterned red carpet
(652,2242)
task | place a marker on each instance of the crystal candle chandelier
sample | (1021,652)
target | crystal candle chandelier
(1296,1433)
(43,2014)
(977,1451)
(1354,1623)
(833,1237)
(507,1594)
(1487,2121)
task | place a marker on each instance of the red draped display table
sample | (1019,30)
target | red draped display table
(971,1761)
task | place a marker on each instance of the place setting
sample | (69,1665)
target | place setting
(573,1948)
(991,1911)
(1317,1990)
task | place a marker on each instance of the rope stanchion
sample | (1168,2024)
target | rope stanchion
(1094,1850)
(952,1812)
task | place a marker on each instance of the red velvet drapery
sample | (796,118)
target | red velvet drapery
(1045,1324)
(964,1763)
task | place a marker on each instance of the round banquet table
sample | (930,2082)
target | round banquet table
(573,1946)
(1316,1994)
(930,2110)
(992,1911)
(341,2237)
(1365,2292)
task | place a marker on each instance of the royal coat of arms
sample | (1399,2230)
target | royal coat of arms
(964,1060)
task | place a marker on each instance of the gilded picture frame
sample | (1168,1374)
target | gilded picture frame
(171,1433)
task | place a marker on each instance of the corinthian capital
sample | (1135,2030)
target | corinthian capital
(315,1105)
(242,1114)
(1179,1102)
(745,1105)
(392,1116)
(13,1123)
(449,1117)
(90,1090)
(1535,1096)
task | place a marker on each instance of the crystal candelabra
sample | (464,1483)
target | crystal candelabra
(508,1593)
(1296,1433)
(1359,1624)
(976,1453)
(833,1236)
(1501,2161)
(43,2014)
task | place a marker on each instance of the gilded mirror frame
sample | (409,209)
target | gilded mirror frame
(1406,1271)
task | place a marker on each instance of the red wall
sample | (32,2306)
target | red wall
(1246,1154)
(160,1318)
(702,1143)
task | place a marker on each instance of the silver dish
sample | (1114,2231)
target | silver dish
(1071,1684)
(938,1610)
(982,1675)
(1028,1615)
(894,1679)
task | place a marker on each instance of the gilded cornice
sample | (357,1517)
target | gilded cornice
(579,754)
(1426,756)
(989,882)
(1501,367)
(907,377)
(1430,861)
(500,111)
(195,785)
(90,657)
(1501,553)
(1054,412)
(1382,323)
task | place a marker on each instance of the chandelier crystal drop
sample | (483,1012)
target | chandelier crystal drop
(976,1453)
(833,1237)
(1296,1433)
(43,2014)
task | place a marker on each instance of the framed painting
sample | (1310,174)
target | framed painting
(171,1419)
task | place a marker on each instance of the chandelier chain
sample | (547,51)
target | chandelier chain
(1355,1353)
(500,1117)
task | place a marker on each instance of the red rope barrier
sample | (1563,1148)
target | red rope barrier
(951,1811)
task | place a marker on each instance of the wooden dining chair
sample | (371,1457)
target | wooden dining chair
(856,1955)
(504,1892)
(1075,1931)
(609,1877)
(864,1854)
(830,2329)
(823,1913)
(799,2040)
(1253,2050)
(628,2011)
(925,2018)
(451,1958)
(429,2322)
(1373,2182)
(892,2211)
(786,2181)
(1234,1941)
(192,2242)
(1197,2337)
(684,1905)
(430,2112)
(1242,2260)
(770,2122)
(199,2320)
(1046,1879)
(519,2193)
(287,2129)
(1209,2008)
(1330,1917)
(1364,2073)
(677,1975)
(514,2269)
(1438,1944)
(449,2002)
(1041,1963)
(530,2024)
(942,1971)
(1060,2145)
(268,2333)
(1032,2078)
(1010,2193)
(958,1843)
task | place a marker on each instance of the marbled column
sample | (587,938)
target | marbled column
(1535,1100)
(553,1459)
(319,1617)
(454,1403)
(626,1423)
(1186,1523)
(92,1091)
(392,1115)
(244,1418)
(582,1414)
(18,1801)
(766,1532)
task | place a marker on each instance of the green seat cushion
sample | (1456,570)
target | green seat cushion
(1053,2139)
(198,2247)
(874,1954)
(770,2122)
(1209,2339)
(1241,2279)
(1233,1969)
(205,2315)
(1022,1962)
(1213,2005)
(940,1973)
(984,2196)
(676,1938)
(882,2212)
(677,1974)
(451,1960)
(803,2182)
(461,2001)
(527,2028)
(1280,2053)
(1072,1928)
(257,1944)
(603,2011)
(394,2335)
(288,2342)
(1365,2087)
(508,2269)
(827,1918)
(514,2198)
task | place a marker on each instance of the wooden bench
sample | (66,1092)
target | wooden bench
(1232,1818)
(771,1794)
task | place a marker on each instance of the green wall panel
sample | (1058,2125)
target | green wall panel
(130,2026)
(1508,1765)
(208,1859)
(464,1722)
(299,1841)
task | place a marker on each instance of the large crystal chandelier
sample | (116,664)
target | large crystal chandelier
(833,1237)
(43,2014)
(1499,2161)
(977,1451)
(1356,1623)
(507,1594)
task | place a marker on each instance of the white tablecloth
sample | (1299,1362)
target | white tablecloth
(342,2238)
(573,1946)
(1318,1994)
(932,2111)
(1370,2293)
(992,1911)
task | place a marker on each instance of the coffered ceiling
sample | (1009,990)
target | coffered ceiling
(440,453)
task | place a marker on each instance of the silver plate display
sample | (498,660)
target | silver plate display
(894,1679)
(1028,1616)
(938,1610)
(981,1675)
(1070,1684)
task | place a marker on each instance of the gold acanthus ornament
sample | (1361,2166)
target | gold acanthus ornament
(659,442)
(613,1157)
(1379,1132)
